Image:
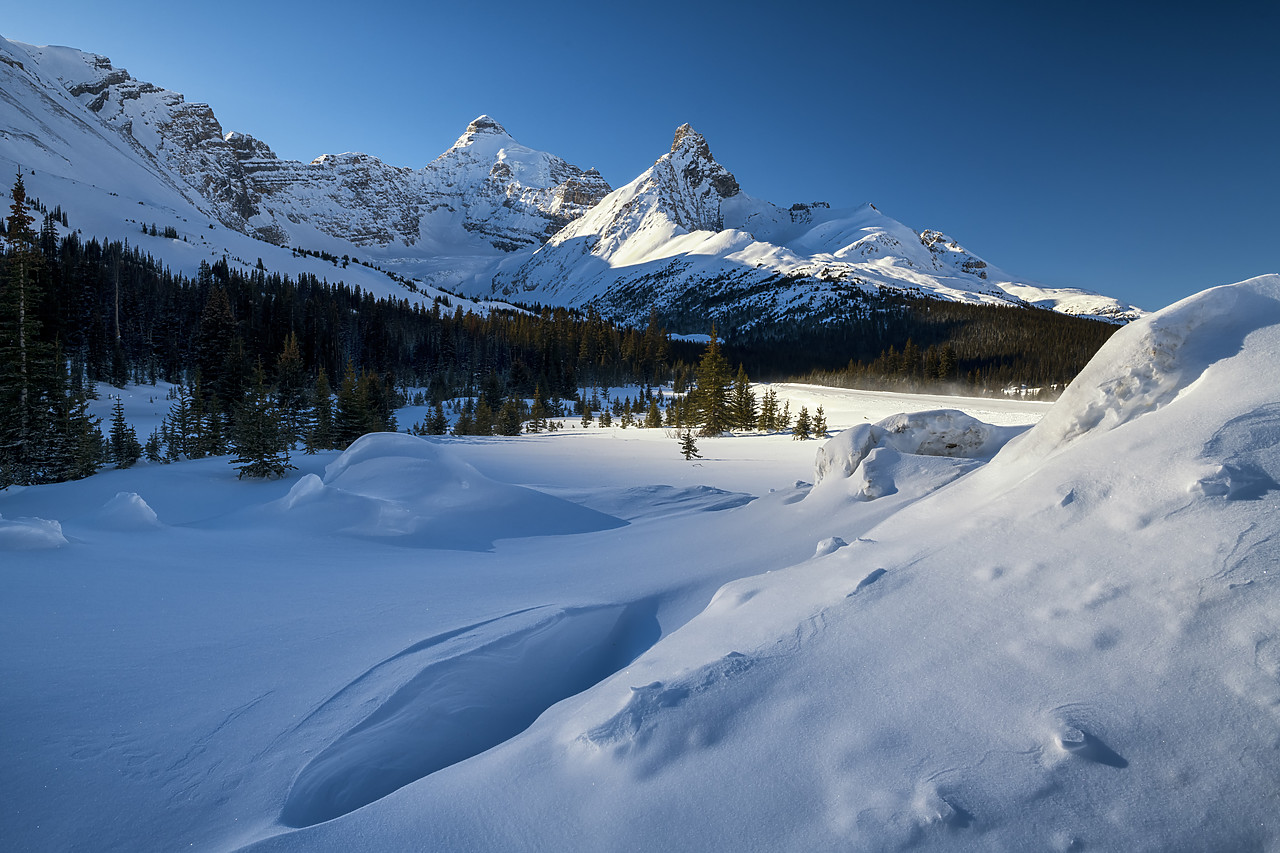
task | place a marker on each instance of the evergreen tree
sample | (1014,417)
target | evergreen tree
(538,414)
(744,402)
(508,421)
(802,431)
(218,331)
(27,365)
(321,434)
(182,427)
(688,447)
(820,423)
(259,440)
(291,386)
(125,449)
(438,424)
(484,419)
(768,418)
(152,449)
(784,419)
(711,396)
(352,414)
(466,422)
(653,420)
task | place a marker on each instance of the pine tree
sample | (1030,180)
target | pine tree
(538,413)
(711,398)
(768,418)
(784,419)
(438,424)
(125,449)
(466,422)
(688,447)
(291,386)
(744,402)
(803,426)
(182,428)
(152,449)
(508,420)
(352,414)
(484,419)
(653,420)
(820,423)
(27,365)
(321,434)
(259,440)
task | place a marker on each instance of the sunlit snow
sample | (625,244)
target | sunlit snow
(580,641)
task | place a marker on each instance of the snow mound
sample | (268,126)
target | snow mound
(126,511)
(928,449)
(414,492)
(30,534)
(1150,363)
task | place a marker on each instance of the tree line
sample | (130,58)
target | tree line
(245,346)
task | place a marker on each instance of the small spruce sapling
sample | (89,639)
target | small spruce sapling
(689,447)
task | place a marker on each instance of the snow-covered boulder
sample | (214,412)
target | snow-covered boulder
(873,457)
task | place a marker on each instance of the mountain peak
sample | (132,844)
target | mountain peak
(690,150)
(687,136)
(485,124)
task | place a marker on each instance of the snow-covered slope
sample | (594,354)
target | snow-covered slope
(685,239)
(1072,646)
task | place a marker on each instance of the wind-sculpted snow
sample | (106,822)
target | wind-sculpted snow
(1149,364)
(414,492)
(127,511)
(473,690)
(30,534)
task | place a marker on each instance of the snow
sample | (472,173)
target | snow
(969,623)
(1062,636)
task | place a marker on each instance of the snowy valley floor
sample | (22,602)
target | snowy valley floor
(581,641)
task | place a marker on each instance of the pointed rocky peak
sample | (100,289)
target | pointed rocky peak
(689,150)
(483,136)
(687,137)
(485,124)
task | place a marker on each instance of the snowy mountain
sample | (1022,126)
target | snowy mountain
(489,216)
(75,116)
(683,238)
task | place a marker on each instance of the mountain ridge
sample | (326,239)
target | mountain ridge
(495,219)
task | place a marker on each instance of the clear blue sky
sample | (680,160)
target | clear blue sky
(1129,148)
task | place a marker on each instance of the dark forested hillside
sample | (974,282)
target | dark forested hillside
(890,341)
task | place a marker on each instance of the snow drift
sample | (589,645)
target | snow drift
(414,492)
(29,534)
